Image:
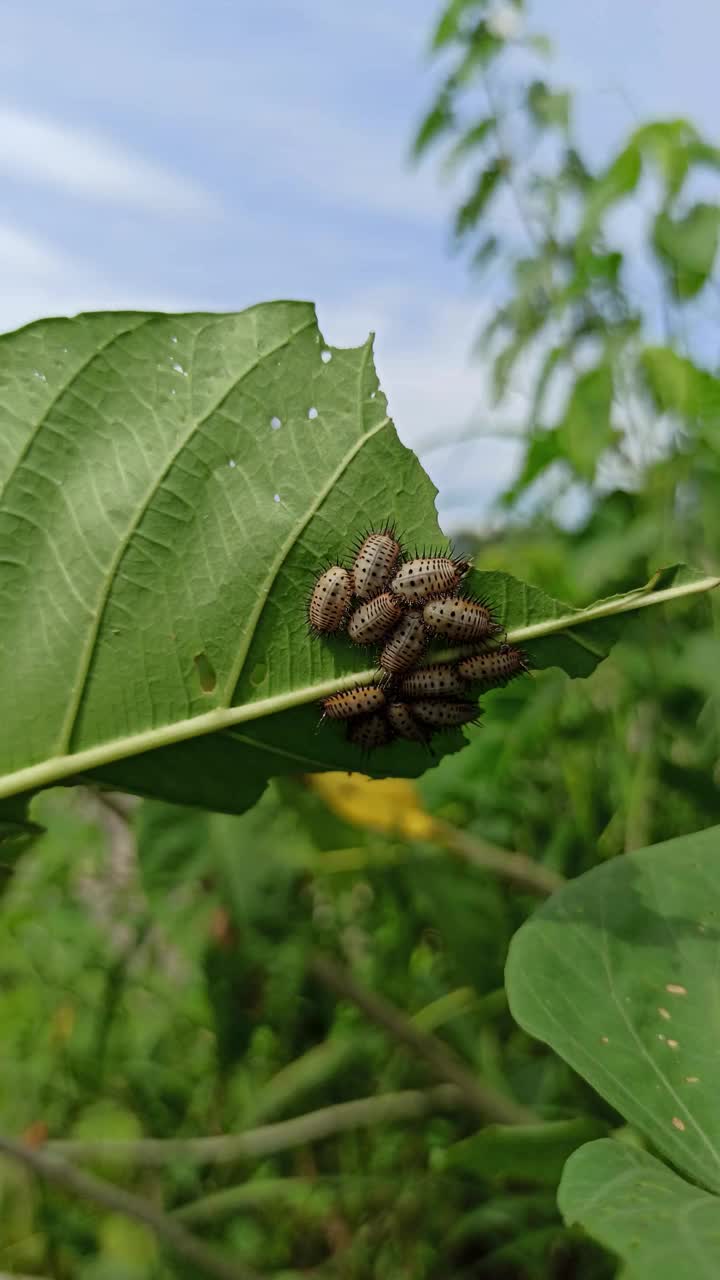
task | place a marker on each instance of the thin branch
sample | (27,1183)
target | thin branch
(89,1187)
(408,1104)
(476,1095)
(518,868)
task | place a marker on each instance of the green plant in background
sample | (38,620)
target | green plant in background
(277,1038)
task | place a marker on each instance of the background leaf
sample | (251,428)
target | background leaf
(658,1223)
(617,973)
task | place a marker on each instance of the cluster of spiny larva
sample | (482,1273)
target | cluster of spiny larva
(401,604)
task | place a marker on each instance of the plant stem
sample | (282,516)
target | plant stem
(89,1187)
(476,1095)
(387,1108)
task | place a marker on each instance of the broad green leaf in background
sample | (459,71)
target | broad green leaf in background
(687,246)
(169,487)
(679,386)
(585,430)
(660,1225)
(618,973)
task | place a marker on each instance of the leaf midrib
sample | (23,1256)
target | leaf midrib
(56,768)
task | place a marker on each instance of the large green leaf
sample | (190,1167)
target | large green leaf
(660,1225)
(618,973)
(168,488)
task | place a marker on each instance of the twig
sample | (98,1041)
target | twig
(408,1104)
(90,1187)
(444,1062)
(516,867)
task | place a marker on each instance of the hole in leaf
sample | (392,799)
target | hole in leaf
(276,497)
(232,463)
(312,413)
(326,356)
(275,423)
(205,672)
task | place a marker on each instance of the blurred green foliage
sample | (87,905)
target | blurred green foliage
(154,967)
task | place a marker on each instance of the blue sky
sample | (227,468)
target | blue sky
(185,155)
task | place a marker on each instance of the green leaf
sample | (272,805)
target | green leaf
(660,1225)
(543,449)
(578,639)
(548,108)
(470,212)
(17,833)
(534,1153)
(617,972)
(438,120)
(470,140)
(618,181)
(158,537)
(677,385)
(688,246)
(448,27)
(667,143)
(585,430)
(153,591)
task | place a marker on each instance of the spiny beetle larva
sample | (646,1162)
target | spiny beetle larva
(426,576)
(442,713)
(330,600)
(495,667)
(375,560)
(353,702)
(369,732)
(461,619)
(405,646)
(371,621)
(403,723)
(435,681)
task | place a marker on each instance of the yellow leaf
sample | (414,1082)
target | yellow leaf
(390,805)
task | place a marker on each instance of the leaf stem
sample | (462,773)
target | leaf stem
(57,768)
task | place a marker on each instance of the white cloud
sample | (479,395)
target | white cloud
(39,150)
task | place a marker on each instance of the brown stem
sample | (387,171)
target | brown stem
(440,1057)
(89,1187)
